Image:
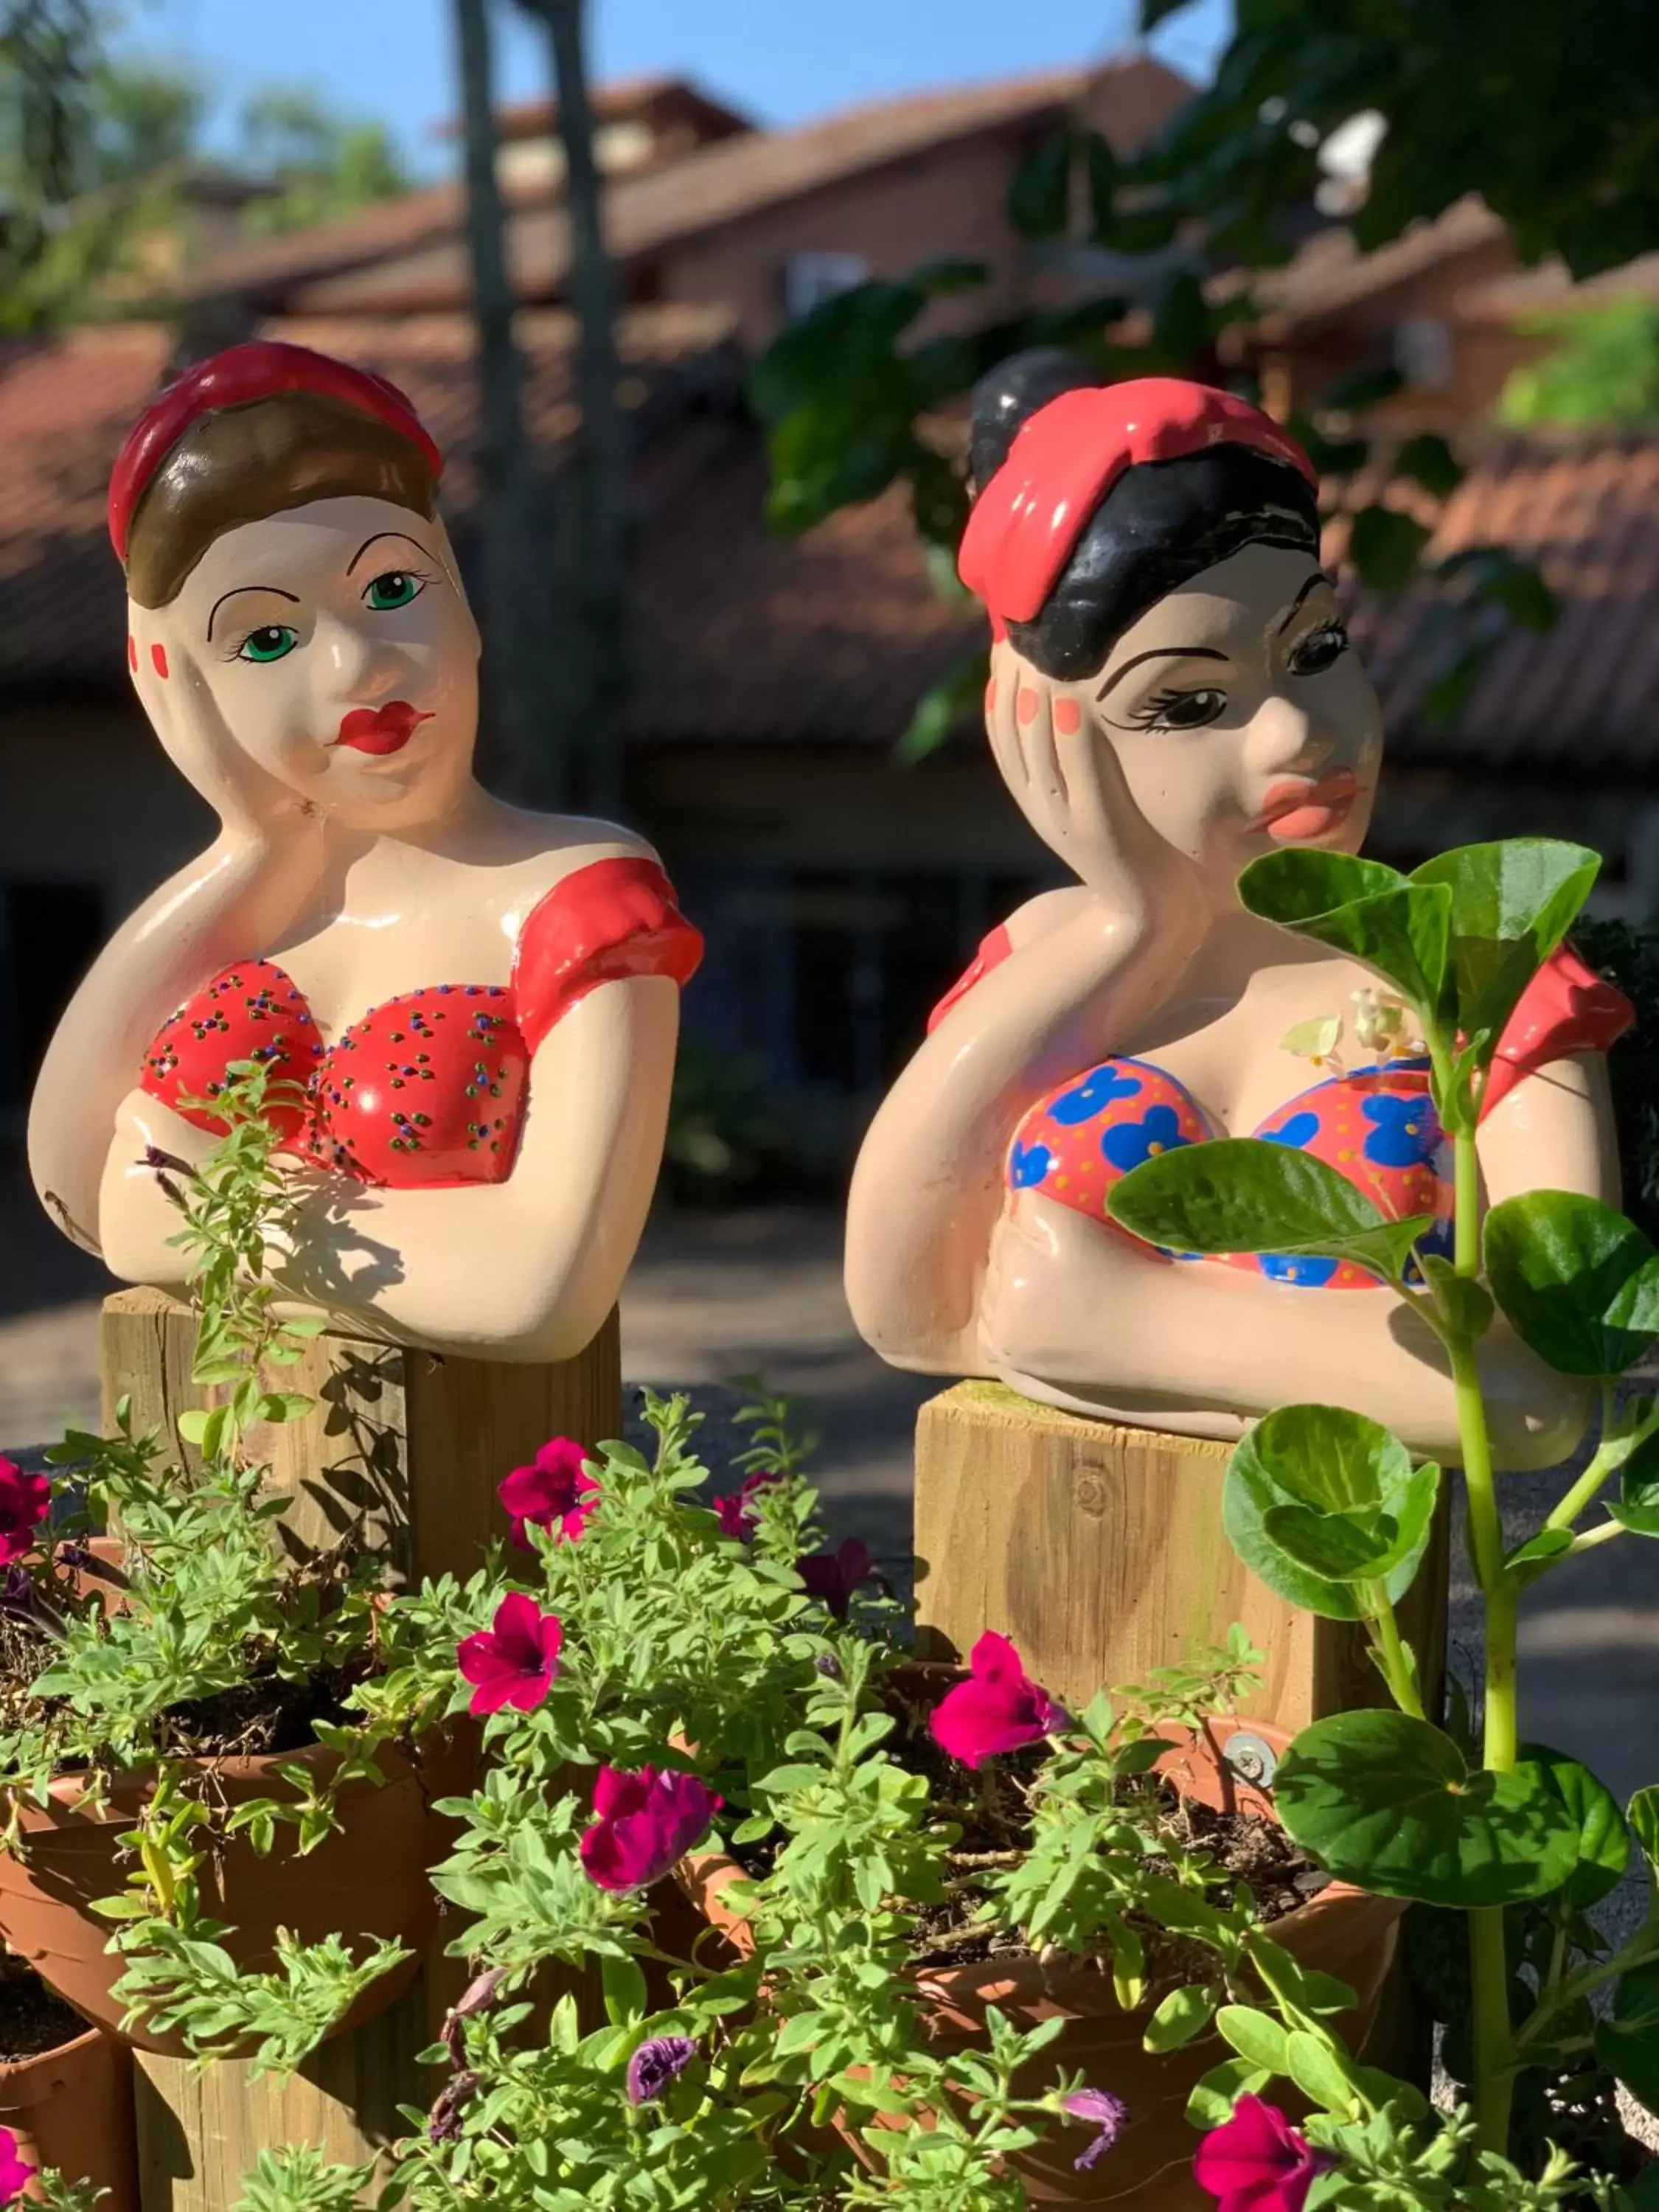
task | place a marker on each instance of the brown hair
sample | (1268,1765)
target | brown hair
(238,464)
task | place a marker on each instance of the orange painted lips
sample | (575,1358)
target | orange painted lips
(1297,811)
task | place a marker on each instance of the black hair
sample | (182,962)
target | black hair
(1160,524)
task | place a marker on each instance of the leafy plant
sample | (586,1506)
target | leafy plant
(203,1620)
(1328,1510)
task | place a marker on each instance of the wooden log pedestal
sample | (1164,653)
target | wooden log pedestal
(1100,1551)
(406,1448)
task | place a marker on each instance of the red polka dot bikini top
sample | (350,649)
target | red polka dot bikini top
(427,1089)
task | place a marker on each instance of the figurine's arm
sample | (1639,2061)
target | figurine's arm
(1070,1305)
(929,1185)
(524,1269)
(239,895)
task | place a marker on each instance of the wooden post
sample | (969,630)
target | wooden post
(1100,1552)
(405,1449)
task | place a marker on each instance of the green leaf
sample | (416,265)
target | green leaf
(282,1406)
(1256,2036)
(1309,1464)
(1627,2044)
(1512,902)
(1039,194)
(1244,1194)
(626,1997)
(1389,1803)
(1386,546)
(1603,1837)
(192,1423)
(1465,1304)
(1636,1506)
(1317,2072)
(1364,907)
(1184,2013)
(1214,2096)
(1642,1817)
(1537,1553)
(1577,1281)
(1429,460)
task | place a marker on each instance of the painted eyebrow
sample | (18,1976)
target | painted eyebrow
(276,590)
(1161,652)
(1313,583)
(379,534)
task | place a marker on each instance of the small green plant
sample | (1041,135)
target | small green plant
(212,1629)
(1332,1512)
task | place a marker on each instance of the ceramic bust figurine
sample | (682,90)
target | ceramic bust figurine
(481,1004)
(1172,694)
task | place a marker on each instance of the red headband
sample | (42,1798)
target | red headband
(1026,522)
(236,377)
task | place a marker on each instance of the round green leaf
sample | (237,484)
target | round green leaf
(1579,1283)
(1512,902)
(1184,2013)
(1628,2043)
(1603,1837)
(1390,1802)
(1299,1470)
(1244,1194)
(1363,908)
(1636,1507)
(1256,2036)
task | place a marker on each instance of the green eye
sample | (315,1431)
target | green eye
(395,589)
(271,643)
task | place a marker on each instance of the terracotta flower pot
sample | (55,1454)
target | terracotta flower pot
(1342,1930)
(71,2108)
(367,1880)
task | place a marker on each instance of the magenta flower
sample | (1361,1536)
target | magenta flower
(25,1502)
(555,1492)
(646,1821)
(16,2172)
(1102,2111)
(514,1660)
(832,1577)
(656,2064)
(736,1512)
(1256,2162)
(997,1709)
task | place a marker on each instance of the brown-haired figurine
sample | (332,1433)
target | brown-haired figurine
(1173,694)
(475,1009)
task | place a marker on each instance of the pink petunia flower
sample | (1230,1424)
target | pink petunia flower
(514,1660)
(832,1577)
(736,1512)
(997,1709)
(16,2172)
(554,1492)
(646,1821)
(25,1502)
(1256,2162)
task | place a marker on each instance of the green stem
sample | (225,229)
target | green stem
(1398,1671)
(1609,1455)
(1493,2083)
(1603,1533)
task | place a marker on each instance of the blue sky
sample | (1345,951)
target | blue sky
(782,62)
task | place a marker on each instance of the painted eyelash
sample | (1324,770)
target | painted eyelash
(408,568)
(233,646)
(1162,701)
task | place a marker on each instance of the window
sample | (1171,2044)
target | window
(810,278)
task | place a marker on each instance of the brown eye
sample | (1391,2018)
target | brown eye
(1319,650)
(1184,710)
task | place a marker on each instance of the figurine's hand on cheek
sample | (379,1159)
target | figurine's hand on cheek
(200,741)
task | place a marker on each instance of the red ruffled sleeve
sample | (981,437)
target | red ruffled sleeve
(1566,1008)
(609,920)
(993,952)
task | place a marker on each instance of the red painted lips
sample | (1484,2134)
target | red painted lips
(384,729)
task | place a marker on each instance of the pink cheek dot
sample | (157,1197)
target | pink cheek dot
(1067,716)
(158,659)
(1025,703)
(132,652)
(991,697)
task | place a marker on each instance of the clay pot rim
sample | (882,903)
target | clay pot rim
(704,1875)
(128,1784)
(18,2069)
